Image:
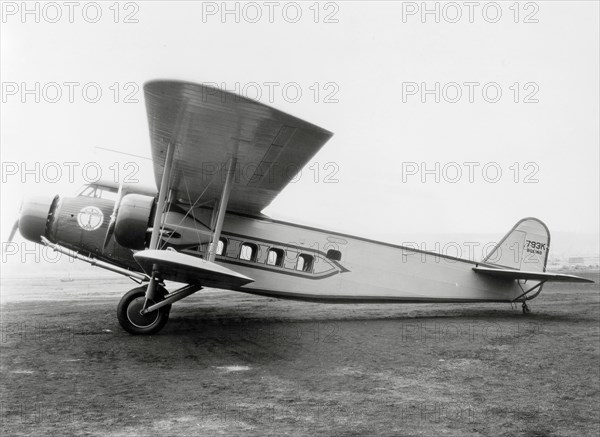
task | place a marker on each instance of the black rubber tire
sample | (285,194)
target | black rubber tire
(133,322)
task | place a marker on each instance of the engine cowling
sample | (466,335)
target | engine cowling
(133,220)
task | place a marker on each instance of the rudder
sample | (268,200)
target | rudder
(525,247)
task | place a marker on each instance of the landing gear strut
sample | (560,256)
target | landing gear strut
(131,318)
(525,296)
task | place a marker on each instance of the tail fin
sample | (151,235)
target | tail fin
(525,247)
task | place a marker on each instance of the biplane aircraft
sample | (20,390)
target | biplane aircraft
(219,160)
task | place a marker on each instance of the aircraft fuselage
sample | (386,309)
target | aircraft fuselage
(287,260)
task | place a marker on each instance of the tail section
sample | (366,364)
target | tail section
(522,255)
(525,247)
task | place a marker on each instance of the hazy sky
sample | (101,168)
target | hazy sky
(361,70)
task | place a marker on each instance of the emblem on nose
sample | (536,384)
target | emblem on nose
(90,218)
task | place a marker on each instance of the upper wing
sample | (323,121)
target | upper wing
(208,125)
(521,274)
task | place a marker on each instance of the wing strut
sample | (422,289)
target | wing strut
(212,248)
(158,216)
(162,195)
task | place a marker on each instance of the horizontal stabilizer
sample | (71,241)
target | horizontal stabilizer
(179,267)
(522,274)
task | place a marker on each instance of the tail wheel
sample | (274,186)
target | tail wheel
(130,317)
(526,309)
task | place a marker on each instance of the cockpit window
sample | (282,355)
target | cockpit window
(88,191)
(99,192)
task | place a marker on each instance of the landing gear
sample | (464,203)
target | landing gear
(525,296)
(129,312)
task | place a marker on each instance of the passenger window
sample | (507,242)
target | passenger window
(305,263)
(334,255)
(221,246)
(248,252)
(275,257)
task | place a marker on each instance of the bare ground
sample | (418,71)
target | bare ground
(230,363)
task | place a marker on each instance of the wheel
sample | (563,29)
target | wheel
(526,309)
(128,313)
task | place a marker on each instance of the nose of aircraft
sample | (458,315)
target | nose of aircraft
(34,217)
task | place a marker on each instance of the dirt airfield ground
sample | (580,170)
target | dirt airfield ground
(230,364)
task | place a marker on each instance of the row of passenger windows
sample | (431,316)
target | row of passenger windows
(276,256)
